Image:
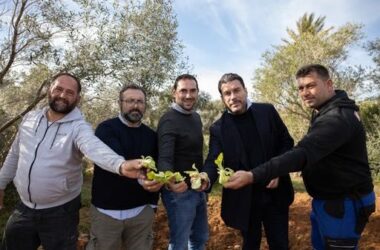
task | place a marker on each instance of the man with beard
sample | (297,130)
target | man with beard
(45,164)
(180,143)
(122,210)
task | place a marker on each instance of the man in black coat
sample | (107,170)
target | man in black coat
(249,134)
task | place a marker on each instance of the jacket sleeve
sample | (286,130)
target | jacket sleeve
(291,161)
(9,168)
(323,138)
(95,150)
(166,144)
(215,148)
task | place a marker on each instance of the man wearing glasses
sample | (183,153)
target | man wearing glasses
(122,210)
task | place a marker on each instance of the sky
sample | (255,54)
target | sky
(222,36)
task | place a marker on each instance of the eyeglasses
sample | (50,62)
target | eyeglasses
(133,101)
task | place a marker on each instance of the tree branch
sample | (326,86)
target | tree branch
(39,96)
(14,39)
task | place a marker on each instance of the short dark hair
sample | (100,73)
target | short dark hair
(55,77)
(229,77)
(131,86)
(182,77)
(319,69)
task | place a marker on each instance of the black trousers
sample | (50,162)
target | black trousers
(274,218)
(54,228)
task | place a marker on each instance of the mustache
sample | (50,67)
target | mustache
(135,110)
(60,99)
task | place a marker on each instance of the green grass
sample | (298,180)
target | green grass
(10,199)
(298,184)
(84,223)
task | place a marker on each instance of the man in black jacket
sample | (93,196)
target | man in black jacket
(249,134)
(334,163)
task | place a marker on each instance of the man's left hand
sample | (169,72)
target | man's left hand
(239,179)
(151,186)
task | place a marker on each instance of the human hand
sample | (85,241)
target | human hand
(273,183)
(205,182)
(1,198)
(150,186)
(179,187)
(131,168)
(239,179)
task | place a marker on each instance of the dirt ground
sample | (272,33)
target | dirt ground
(222,238)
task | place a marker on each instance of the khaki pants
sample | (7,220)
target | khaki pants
(108,233)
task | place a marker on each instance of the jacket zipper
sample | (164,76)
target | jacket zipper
(34,159)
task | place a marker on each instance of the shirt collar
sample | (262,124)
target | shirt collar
(180,109)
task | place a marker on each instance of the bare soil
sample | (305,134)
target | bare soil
(224,238)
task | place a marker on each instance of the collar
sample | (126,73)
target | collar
(249,104)
(175,106)
(125,122)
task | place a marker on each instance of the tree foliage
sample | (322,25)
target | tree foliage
(311,42)
(274,80)
(105,43)
(374,75)
(370,114)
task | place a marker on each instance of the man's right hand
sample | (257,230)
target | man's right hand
(205,182)
(179,187)
(239,179)
(1,198)
(131,168)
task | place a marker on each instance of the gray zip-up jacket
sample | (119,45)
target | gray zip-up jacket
(45,160)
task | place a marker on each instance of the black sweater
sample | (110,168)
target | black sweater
(332,155)
(180,141)
(112,191)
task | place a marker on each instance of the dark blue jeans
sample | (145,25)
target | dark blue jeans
(187,216)
(54,228)
(274,218)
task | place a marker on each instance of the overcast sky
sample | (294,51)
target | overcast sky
(223,36)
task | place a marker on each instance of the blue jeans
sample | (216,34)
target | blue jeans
(187,216)
(338,224)
(54,228)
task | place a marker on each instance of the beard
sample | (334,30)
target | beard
(56,105)
(133,116)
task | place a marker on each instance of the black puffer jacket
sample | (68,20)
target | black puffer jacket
(332,156)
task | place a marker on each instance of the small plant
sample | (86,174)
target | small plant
(224,173)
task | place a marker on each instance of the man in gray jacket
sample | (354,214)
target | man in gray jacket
(45,164)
